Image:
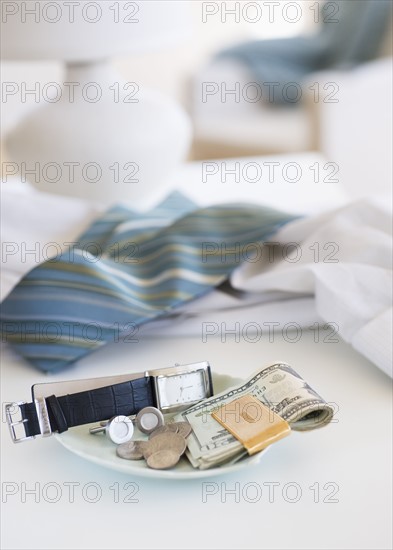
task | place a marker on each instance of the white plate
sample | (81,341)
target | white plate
(101,450)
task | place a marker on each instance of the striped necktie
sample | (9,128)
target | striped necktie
(125,270)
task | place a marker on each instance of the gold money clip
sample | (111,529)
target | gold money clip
(252,423)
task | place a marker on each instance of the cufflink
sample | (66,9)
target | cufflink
(149,419)
(118,429)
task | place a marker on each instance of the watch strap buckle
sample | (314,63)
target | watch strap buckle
(42,416)
(12,424)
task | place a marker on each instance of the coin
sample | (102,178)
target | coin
(183,428)
(132,450)
(161,460)
(165,441)
(173,427)
(160,430)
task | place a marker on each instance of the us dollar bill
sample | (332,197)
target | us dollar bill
(279,387)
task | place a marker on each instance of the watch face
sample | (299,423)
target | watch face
(181,389)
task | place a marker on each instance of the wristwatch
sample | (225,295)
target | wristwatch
(57,406)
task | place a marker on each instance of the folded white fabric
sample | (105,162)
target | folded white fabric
(36,226)
(346,263)
(334,267)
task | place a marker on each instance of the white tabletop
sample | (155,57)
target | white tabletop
(348,463)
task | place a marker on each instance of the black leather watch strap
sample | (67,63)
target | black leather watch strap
(70,410)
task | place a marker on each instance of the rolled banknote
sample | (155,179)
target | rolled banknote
(279,387)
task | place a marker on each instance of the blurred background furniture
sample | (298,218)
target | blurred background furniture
(230,120)
(91,116)
(235,129)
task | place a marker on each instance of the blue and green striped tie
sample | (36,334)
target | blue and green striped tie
(127,269)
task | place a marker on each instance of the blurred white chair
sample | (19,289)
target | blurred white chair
(227,119)
(232,124)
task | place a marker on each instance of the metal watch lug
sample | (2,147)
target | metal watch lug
(43,416)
